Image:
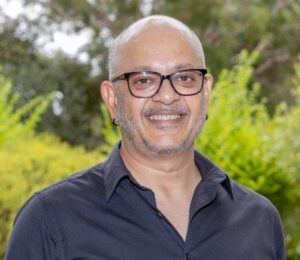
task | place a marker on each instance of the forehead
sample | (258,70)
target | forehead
(160,47)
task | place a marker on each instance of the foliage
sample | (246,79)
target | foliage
(109,131)
(16,123)
(287,132)
(77,94)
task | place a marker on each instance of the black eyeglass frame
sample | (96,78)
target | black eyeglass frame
(127,75)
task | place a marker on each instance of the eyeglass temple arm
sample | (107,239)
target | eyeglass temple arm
(121,77)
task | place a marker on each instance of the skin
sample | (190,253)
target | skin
(159,153)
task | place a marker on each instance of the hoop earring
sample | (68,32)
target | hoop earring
(114,122)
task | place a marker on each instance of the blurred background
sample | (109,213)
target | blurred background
(53,56)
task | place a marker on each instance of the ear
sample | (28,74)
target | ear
(108,95)
(208,82)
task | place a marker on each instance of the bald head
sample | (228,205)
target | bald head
(143,27)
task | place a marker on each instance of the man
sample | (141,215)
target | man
(154,197)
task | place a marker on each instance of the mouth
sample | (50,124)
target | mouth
(166,121)
(164,117)
(169,117)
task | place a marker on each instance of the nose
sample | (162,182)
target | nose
(166,93)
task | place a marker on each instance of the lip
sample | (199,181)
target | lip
(165,119)
(166,116)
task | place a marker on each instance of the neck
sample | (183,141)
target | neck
(167,175)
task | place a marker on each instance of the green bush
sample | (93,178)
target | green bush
(18,122)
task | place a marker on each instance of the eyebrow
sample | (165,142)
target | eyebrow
(180,66)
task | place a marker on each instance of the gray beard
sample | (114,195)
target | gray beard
(129,127)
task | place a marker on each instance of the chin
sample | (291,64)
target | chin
(168,149)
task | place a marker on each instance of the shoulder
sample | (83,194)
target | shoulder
(262,213)
(242,193)
(255,204)
(78,184)
(38,222)
(79,187)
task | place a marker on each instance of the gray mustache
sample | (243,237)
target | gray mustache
(165,109)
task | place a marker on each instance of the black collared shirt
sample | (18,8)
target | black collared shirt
(102,213)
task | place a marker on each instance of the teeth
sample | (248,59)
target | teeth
(164,117)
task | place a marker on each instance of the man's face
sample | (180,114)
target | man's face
(166,123)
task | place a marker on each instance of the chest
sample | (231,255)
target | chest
(132,228)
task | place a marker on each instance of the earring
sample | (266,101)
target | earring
(206,116)
(114,122)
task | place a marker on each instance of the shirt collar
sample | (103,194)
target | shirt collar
(115,170)
(212,173)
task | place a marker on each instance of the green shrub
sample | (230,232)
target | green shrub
(18,122)
(110,132)
(287,135)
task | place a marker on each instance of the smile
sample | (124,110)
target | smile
(164,117)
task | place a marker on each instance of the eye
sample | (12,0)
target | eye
(184,77)
(142,80)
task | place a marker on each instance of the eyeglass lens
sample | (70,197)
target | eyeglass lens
(145,84)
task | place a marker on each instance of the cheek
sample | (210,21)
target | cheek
(132,106)
(196,105)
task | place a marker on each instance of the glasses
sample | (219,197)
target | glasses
(146,84)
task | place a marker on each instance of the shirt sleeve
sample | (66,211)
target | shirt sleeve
(33,236)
